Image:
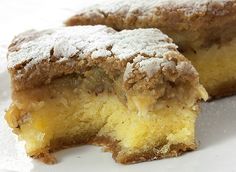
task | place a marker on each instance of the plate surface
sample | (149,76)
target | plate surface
(216,126)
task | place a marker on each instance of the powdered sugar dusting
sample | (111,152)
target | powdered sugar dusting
(151,66)
(89,41)
(185,67)
(128,71)
(63,42)
(101,53)
(36,58)
(189,7)
(63,48)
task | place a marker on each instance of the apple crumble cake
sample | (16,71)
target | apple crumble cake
(129,91)
(205,32)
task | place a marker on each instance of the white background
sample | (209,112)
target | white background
(216,127)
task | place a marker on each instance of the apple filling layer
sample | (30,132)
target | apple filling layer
(94,109)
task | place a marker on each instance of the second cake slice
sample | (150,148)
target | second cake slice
(204,30)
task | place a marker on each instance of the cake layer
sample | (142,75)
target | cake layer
(67,112)
(216,66)
(198,27)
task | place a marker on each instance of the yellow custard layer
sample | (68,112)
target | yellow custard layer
(43,115)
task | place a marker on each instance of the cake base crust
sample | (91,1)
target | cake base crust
(112,146)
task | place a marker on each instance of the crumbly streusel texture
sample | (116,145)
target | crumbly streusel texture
(129,91)
(36,58)
(205,32)
(197,19)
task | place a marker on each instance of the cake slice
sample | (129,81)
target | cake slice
(130,91)
(205,32)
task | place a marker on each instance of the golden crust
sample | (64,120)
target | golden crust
(112,146)
(144,56)
(202,22)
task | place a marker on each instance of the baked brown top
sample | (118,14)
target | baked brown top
(141,55)
(206,21)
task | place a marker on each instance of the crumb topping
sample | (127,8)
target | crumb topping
(37,57)
(189,7)
(151,12)
(190,23)
(84,41)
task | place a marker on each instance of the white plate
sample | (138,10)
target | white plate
(216,126)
